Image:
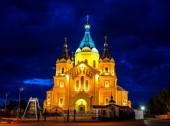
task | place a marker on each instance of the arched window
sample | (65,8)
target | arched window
(106,69)
(61,84)
(62,70)
(60,102)
(106,84)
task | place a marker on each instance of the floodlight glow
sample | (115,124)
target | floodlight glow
(142,107)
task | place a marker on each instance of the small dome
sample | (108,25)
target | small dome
(78,50)
(95,50)
(87,26)
(86,49)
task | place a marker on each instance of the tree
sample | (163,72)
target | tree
(160,104)
(13,105)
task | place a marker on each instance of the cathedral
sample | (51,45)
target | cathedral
(85,79)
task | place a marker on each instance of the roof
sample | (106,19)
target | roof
(65,54)
(87,40)
(109,106)
(78,65)
(106,53)
(119,88)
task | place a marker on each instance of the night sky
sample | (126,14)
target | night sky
(32,36)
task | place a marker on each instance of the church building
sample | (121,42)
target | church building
(85,78)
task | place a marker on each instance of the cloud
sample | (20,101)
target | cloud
(37,81)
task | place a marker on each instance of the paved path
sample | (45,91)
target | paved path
(148,122)
(154,122)
(50,123)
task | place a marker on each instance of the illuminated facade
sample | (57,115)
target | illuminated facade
(85,79)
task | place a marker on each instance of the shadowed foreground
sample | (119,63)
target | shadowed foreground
(29,123)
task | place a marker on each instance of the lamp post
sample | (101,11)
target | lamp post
(6,100)
(20,90)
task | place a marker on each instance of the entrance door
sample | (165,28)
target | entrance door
(81,106)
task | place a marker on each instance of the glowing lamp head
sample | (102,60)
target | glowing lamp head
(142,108)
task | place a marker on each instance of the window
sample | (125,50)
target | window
(82,80)
(77,85)
(106,69)
(86,85)
(60,102)
(124,102)
(48,101)
(62,70)
(106,84)
(94,63)
(61,84)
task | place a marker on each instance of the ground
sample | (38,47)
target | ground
(149,122)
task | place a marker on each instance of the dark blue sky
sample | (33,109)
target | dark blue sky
(32,35)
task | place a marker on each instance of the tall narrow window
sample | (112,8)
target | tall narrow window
(106,69)
(86,86)
(61,84)
(62,70)
(60,102)
(106,84)
(77,85)
(82,82)
(94,63)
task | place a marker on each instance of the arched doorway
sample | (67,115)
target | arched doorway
(81,106)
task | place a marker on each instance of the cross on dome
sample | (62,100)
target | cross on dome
(105,37)
(65,39)
(87,18)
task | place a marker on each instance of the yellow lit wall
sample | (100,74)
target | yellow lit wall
(91,57)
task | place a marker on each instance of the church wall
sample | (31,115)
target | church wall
(122,98)
(89,56)
(107,68)
(61,68)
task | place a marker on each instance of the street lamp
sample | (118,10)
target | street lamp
(142,108)
(6,100)
(20,90)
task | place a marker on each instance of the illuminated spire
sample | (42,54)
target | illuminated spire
(65,54)
(106,50)
(87,40)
